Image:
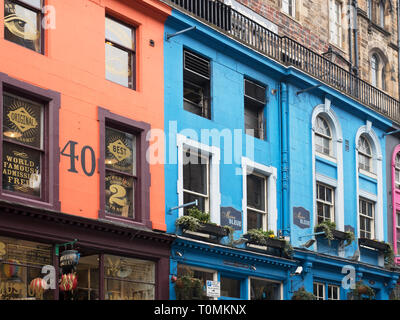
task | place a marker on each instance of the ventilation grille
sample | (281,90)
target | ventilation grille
(196,64)
(255,91)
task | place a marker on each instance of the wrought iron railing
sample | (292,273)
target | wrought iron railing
(289,52)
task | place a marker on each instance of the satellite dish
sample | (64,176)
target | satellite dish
(124,272)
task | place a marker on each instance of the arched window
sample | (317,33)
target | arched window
(374,69)
(323,136)
(364,154)
(397,171)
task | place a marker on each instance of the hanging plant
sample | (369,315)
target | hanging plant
(302,294)
(349,238)
(327,227)
(189,288)
(361,290)
(388,254)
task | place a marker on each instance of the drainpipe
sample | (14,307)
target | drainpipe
(284,104)
(355,30)
(398,45)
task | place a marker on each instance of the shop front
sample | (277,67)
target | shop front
(207,271)
(113,261)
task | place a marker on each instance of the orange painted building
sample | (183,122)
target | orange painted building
(81,94)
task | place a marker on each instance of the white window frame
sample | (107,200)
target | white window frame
(377,175)
(320,134)
(337,152)
(335,22)
(270,173)
(333,287)
(286,5)
(397,171)
(214,182)
(265,212)
(205,196)
(324,202)
(319,284)
(372,231)
(264,279)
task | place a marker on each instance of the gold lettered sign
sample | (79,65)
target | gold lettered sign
(21,170)
(119,195)
(22,121)
(120,151)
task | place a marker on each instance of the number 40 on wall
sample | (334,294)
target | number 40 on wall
(71,147)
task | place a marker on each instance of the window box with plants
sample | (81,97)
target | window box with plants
(267,241)
(383,247)
(302,294)
(330,232)
(361,291)
(187,287)
(197,224)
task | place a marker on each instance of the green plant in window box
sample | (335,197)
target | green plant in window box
(259,236)
(188,223)
(329,229)
(302,294)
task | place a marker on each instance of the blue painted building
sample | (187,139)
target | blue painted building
(312,154)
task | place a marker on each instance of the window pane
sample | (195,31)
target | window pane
(254,220)
(120,151)
(256,192)
(198,274)
(264,290)
(195,174)
(21,170)
(128,279)
(34,3)
(22,121)
(88,276)
(201,202)
(119,33)
(118,65)
(22,26)
(119,195)
(230,287)
(21,263)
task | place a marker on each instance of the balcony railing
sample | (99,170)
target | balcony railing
(290,52)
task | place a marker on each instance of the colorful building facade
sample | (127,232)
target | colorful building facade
(316,154)
(82,86)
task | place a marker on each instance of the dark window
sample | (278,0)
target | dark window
(124,171)
(196,84)
(29,143)
(196,179)
(230,287)
(254,104)
(23,23)
(264,290)
(120,53)
(256,204)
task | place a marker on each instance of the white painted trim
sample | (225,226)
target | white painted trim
(214,193)
(271,173)
(367,195)
(377,165)
(326,180)
(337,147)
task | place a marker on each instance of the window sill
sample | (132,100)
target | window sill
(287,15)
(124,221)
(30,202)
(368,174)
(325,157)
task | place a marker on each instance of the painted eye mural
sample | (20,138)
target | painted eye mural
(22,25)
